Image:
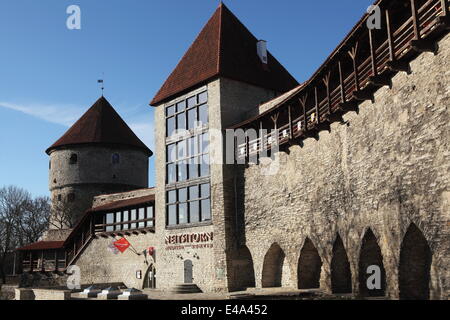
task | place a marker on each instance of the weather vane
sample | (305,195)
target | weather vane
(101,82)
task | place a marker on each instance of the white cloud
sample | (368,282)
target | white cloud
(64,115)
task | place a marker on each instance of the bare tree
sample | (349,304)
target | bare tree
(22,220)
(12,202)
(62,215)
(34,220)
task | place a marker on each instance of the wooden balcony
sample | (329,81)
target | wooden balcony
(364,62)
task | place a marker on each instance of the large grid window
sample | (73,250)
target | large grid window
(188,159)
(187,114)
(189,205)
(130,219)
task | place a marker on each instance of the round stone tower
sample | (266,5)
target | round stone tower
(99,154)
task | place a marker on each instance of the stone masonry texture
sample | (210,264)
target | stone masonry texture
(386,168)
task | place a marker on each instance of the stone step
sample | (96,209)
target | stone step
(186,289)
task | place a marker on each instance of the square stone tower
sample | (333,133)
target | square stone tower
(219,82)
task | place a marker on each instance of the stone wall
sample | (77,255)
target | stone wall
(56,234)
(386,168)
(99,265)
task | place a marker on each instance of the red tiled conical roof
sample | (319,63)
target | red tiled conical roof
(101,124)
(225,48)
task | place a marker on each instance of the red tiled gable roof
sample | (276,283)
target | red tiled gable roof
(101,124)
(224,48)
(43,245)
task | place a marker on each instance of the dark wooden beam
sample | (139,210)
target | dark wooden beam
(373,58)
(320,125)
(393,64)
(352,53)
(416,22)
(342,84)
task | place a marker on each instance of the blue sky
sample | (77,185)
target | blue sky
(48,74)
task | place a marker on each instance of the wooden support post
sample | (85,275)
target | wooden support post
(336,115)
(56,260)
(342,84)
(275,124)
(247,149)
(416,22)
(320,125)
(419,44)
(291,126)
(305,116)
(326,82)
(42,261)
(352,53)
(307,133)
(376,79)
(262,141)
(345,105)
(31,261)
(393,64)
(390,37)
(373,58)
(444,4)
(358,94)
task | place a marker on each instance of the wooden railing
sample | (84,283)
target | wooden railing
(43,265)
(118,228)
(352,75)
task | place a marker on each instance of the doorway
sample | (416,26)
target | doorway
(188,272)
(150,278)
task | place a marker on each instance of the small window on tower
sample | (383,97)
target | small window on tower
(71,197)
(116,158)
(50,164)
(73,158)
(59,197)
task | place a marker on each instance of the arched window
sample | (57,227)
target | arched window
(415,266)
(309,267)
(341,277)
(115,158)
(273,267)
(73,158)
